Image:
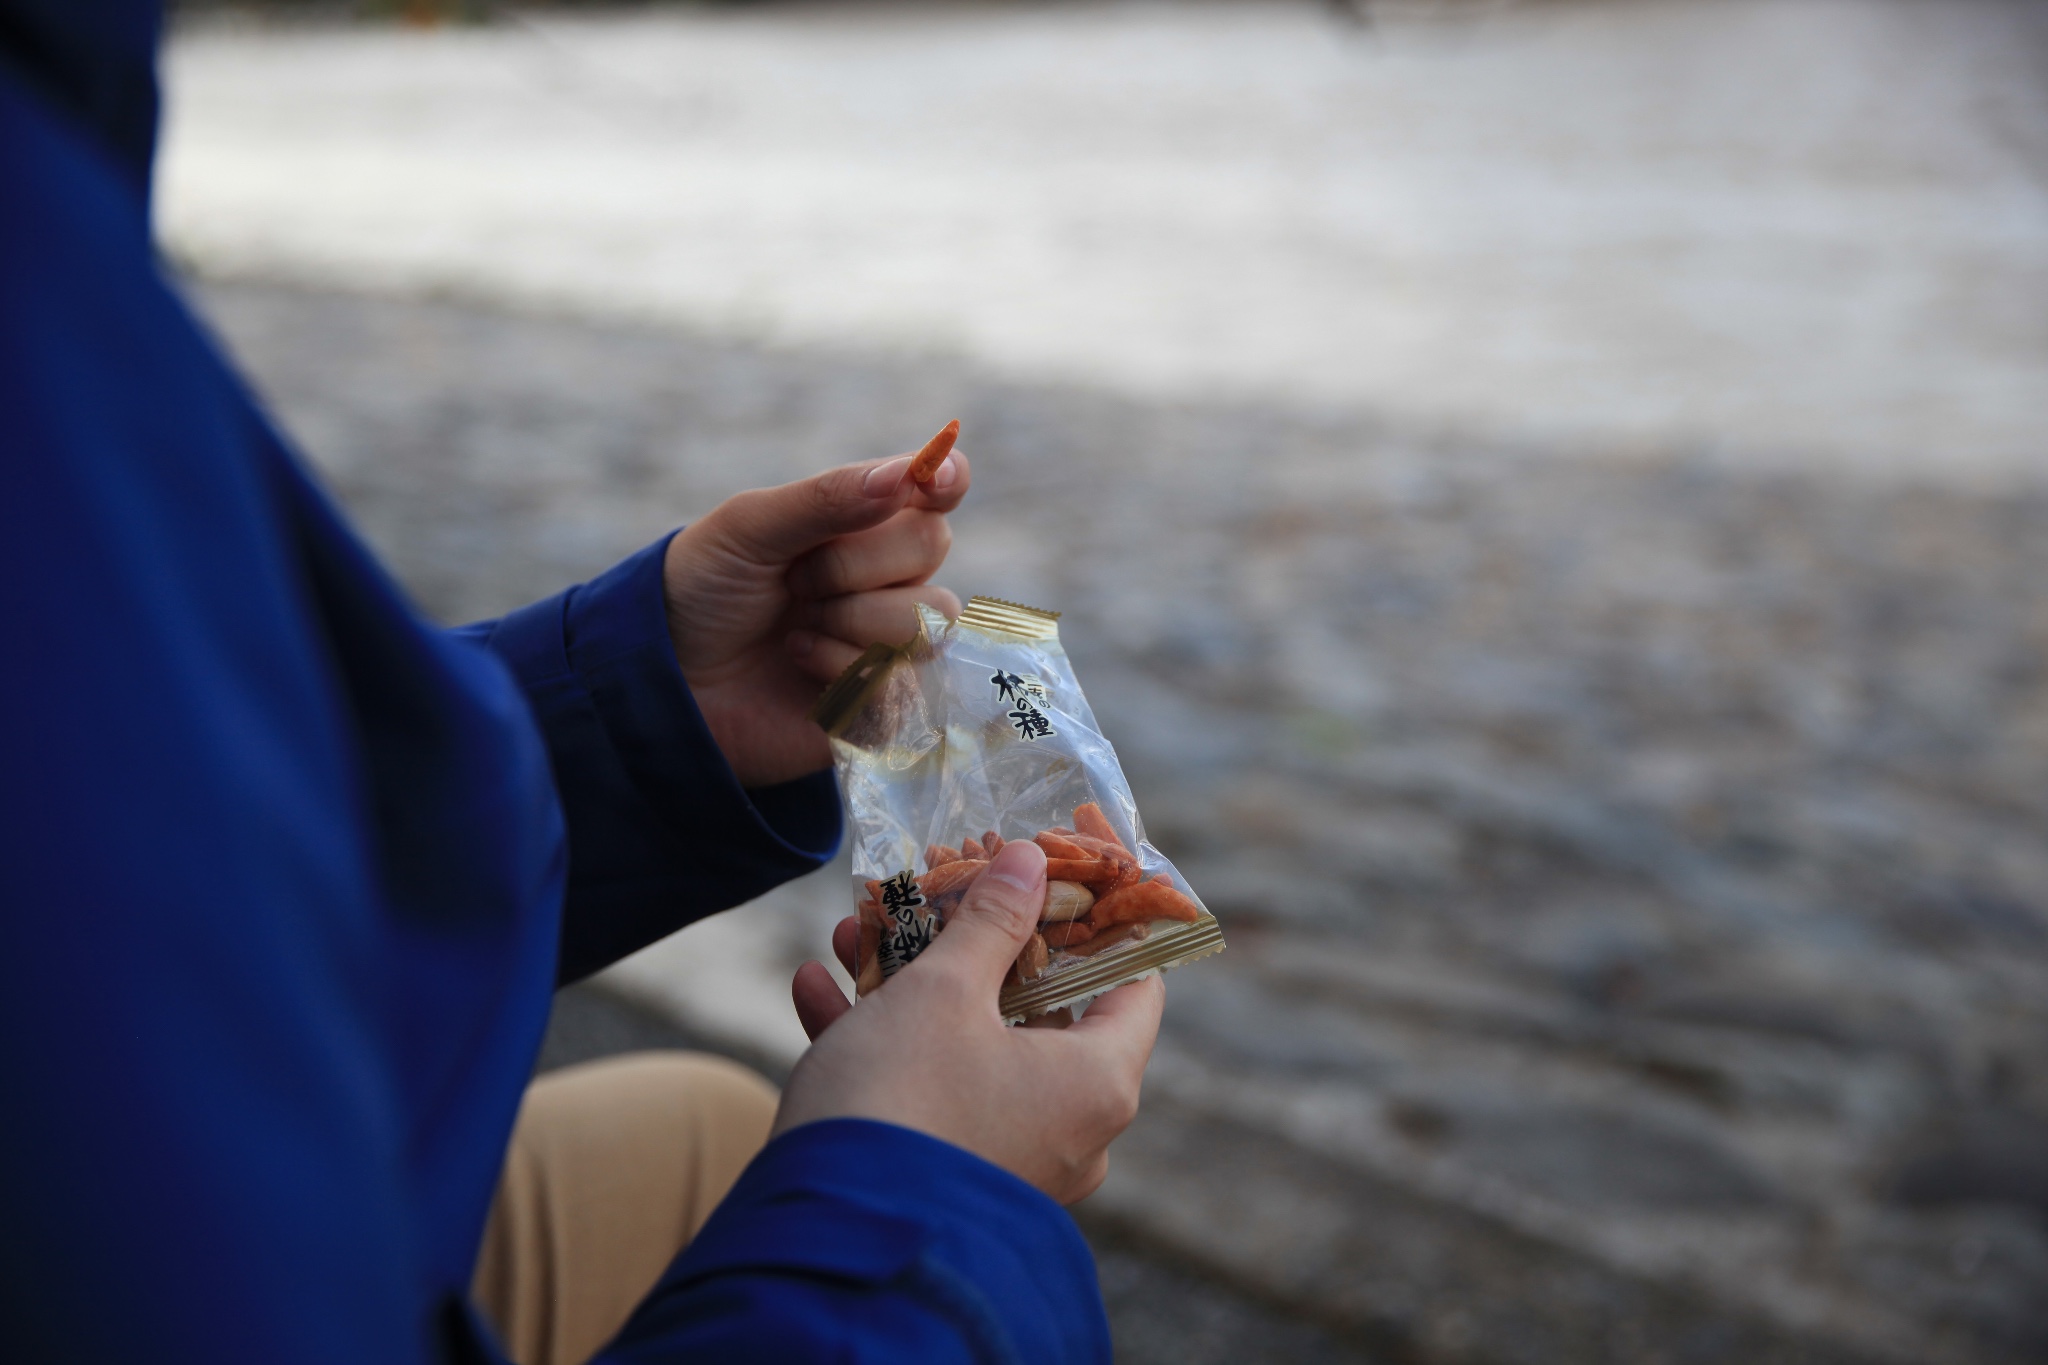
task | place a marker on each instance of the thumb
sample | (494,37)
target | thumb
(775,525)
(995,917)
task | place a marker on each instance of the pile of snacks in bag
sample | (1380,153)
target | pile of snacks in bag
(974,734)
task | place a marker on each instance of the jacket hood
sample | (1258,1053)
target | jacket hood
(94,62)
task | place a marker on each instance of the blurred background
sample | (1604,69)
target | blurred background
(1550,500)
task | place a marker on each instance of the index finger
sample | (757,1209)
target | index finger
(846,944)
(776,525)
(932,497)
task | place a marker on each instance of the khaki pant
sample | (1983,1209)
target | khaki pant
(613,1166)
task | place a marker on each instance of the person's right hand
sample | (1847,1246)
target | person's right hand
(930,1051)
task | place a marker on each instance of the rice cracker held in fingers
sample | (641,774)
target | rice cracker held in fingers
(935,452)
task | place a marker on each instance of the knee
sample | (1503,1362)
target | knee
(665,1089)
(704,1082)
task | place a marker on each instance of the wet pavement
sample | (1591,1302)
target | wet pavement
(1638,909)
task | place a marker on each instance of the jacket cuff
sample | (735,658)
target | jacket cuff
(891,1213)
(660,831)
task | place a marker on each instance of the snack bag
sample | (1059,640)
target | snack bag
(974,734)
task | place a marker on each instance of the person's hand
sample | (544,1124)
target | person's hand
(929,1050)
(779,589)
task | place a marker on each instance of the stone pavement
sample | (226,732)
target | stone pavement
(1638,909)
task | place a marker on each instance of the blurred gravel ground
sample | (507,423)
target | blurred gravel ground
(1638,909)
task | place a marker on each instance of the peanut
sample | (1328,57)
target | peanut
(1031,961)
(1066,901)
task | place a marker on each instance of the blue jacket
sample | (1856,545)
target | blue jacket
(287,875)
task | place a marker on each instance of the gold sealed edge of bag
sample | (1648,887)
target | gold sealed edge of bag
(851,689)
(1010,618)
(1174,946)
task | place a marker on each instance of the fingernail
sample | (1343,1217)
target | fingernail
(801,643)
(1021,864)
(948,470)
(886,477)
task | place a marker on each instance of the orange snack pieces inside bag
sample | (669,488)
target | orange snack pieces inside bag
(1056,846)
(1089,820)
(1089,872)
(1096,891)
(1108,938)
(1067,935)
(954,876)
(935,452)
(1142,902)
(972,735)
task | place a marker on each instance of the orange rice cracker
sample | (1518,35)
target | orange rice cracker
(1068,934)
(1110,937)
(1089,820)
(1057,846)
(1143,902)
(948,877)
(1091,872)
(935,452)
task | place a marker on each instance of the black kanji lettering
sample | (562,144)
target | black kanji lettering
(1030,722)
(910,927)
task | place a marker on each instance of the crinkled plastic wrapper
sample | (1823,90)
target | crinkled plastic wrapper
(974,734)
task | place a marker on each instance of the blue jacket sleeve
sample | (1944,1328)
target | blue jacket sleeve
(854,1241)
(220,1025)
(660,831)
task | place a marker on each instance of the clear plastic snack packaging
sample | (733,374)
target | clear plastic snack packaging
(974,734)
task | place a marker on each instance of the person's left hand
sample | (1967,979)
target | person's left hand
(777,590)
(929,1050)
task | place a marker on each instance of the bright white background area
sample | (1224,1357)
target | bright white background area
(1764,230)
